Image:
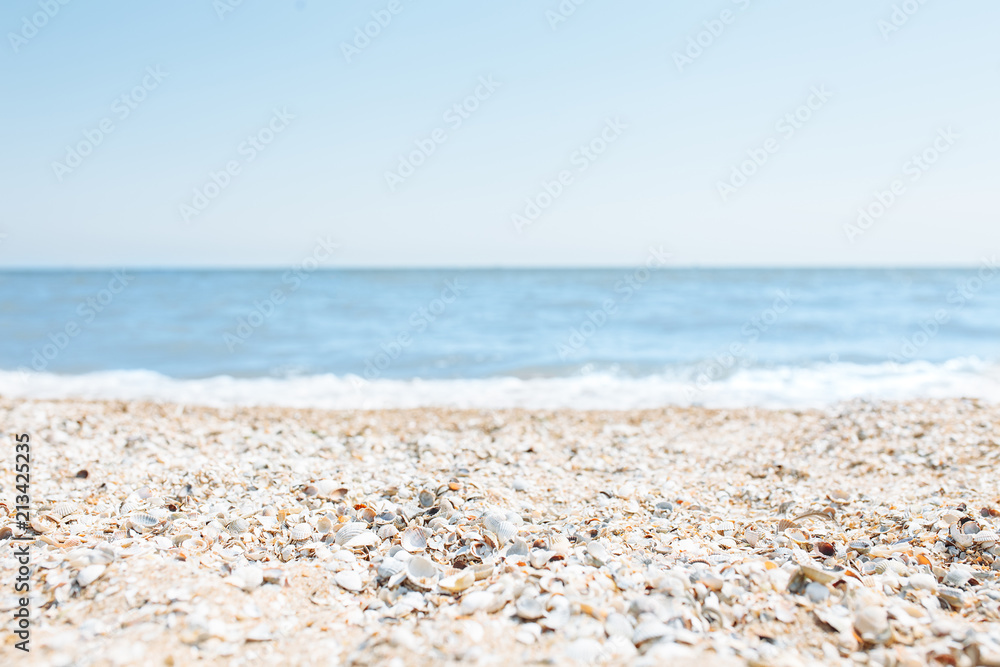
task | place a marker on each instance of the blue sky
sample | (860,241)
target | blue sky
(329,127)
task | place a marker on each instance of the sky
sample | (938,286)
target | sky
(522,133)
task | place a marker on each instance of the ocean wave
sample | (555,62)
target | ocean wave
(777,387)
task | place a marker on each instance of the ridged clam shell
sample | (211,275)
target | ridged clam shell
(985,536)
(238,526)
(300,532)
(390,566)
(413,539)
(348,531)
(64,509)
(142,521)
(503,529)
(387,531)
(365,538)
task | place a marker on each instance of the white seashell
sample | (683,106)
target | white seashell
(250,577)
(64,509)
(649,631)
(90,574)
(42,524)
(598,552)
(349,580)
(539,557)
(365,538)
(300,532)
(387,531)
(477,601)
(348,531)
(390,566)
(426,498)
(413,539)
(458,582)
(517,548)
(529,608)
(237,526)
(421,572)
(499,526)
(324,525)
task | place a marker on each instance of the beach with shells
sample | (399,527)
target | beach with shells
(164,534)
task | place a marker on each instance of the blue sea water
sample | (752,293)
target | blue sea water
(540,338)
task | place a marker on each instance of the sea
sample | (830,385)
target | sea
(564,338)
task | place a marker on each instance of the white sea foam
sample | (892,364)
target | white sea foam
(818,385)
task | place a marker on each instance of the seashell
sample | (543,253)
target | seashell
(539,557)
(872,623)
(300,532)
(861,546)
(195,544)
(458,582)
(952,596)
(426,498)
(180,538)
(825,548)
(42,524)
(6,532)
(388,531)
(558,613)
(798,535)
(957,577)
(529,608)
(385,517)
(89,574)
(503,529)
(478,601)
(598,552)
(366,514)
(786,524)
(413,539)
(64,509)
(365,538)
(482,571)
(421,572)
(349,580)
(348,531)
(518,548)
(985,537)
(819,575)
(274,575)
(324,525)
(649,631)
(238,526)
(389,567)
(752,537)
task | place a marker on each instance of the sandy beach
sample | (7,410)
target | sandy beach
(860,534)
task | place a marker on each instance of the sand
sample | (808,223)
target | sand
(165,534)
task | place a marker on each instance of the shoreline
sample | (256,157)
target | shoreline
(635,536)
